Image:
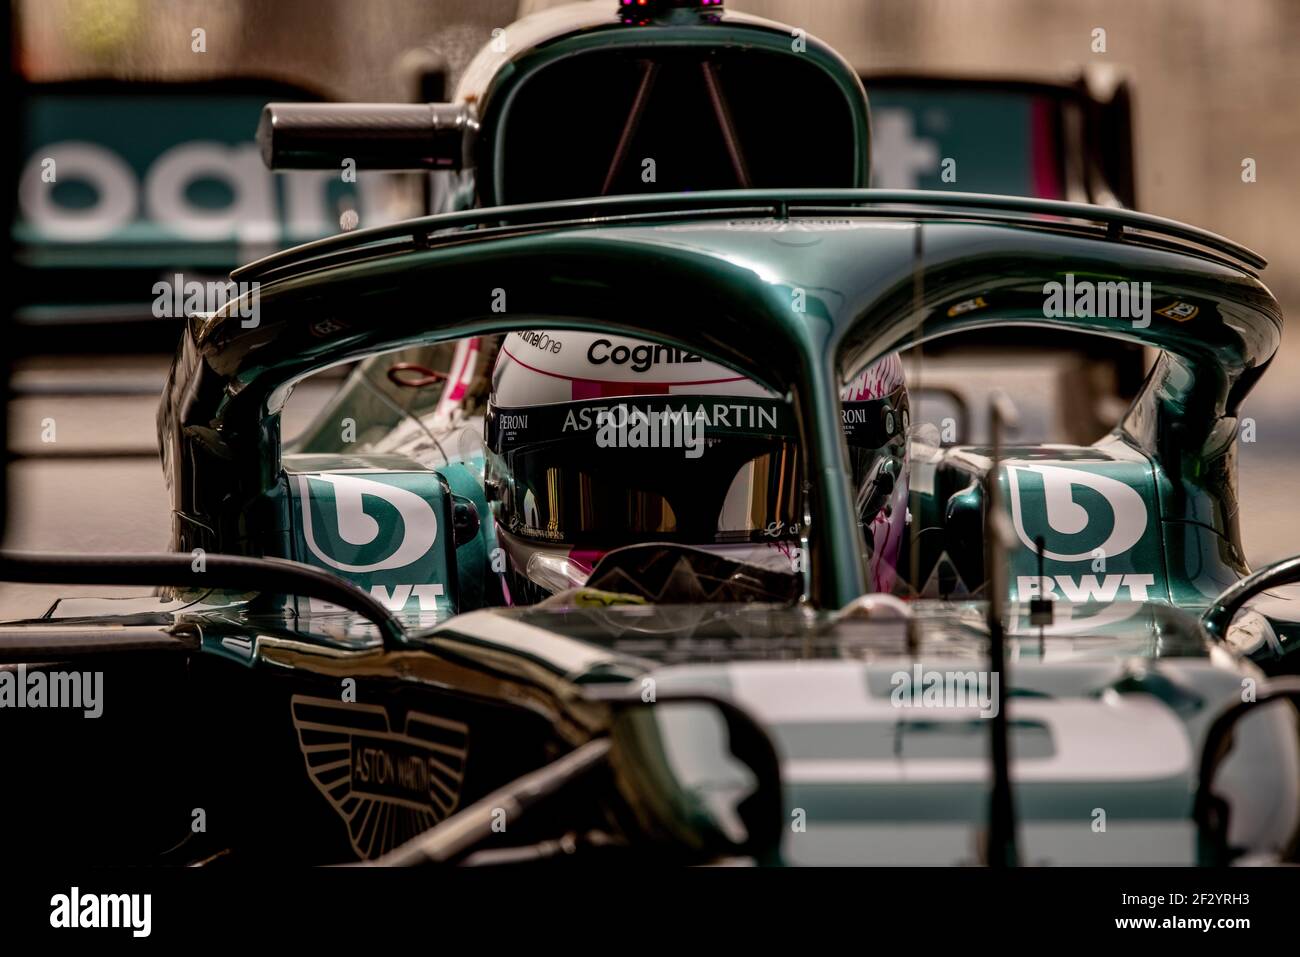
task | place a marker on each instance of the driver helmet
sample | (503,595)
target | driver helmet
(876,419)
(596,441)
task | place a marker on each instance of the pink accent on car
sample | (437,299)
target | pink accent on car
(586,558)
(887,538)
(1044,158)
(462,373)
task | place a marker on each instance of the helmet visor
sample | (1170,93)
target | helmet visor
(689,469)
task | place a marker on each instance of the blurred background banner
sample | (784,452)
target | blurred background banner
(148,109)
(1213,82)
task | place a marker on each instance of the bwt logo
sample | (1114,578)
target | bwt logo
(1088,587)
(1090,517)
(354,542)
(354,529)
(1106,504)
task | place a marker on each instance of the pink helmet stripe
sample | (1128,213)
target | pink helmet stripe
(586,389)
(875,381)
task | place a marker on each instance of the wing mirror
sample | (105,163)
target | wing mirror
(701,778)
(465,522)
(690,778)
(1211,809)
(1218,616)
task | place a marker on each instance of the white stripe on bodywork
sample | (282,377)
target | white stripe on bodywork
(940,844)
(1083,730)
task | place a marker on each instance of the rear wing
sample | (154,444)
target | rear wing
(1070,141)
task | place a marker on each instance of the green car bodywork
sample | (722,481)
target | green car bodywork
(718,274)
(1110,704)
(798,297)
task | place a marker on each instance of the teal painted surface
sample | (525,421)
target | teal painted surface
(1098,515)
(386,532)
(871,782)
(476,560)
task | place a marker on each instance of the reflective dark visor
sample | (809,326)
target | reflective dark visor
(690,469)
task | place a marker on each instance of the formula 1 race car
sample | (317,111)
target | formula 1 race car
(404,628)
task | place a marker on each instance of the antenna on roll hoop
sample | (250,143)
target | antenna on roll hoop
(1000,848)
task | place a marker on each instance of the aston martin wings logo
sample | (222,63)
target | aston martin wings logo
(387,787)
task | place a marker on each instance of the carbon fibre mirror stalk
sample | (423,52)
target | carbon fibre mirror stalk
(376,136)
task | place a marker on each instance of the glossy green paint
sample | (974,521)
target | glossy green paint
(476,558)
(797,301)
(388,532)
(1105,497)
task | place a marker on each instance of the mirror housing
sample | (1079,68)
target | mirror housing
(1210,810)
(701,777)
(1218,616)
